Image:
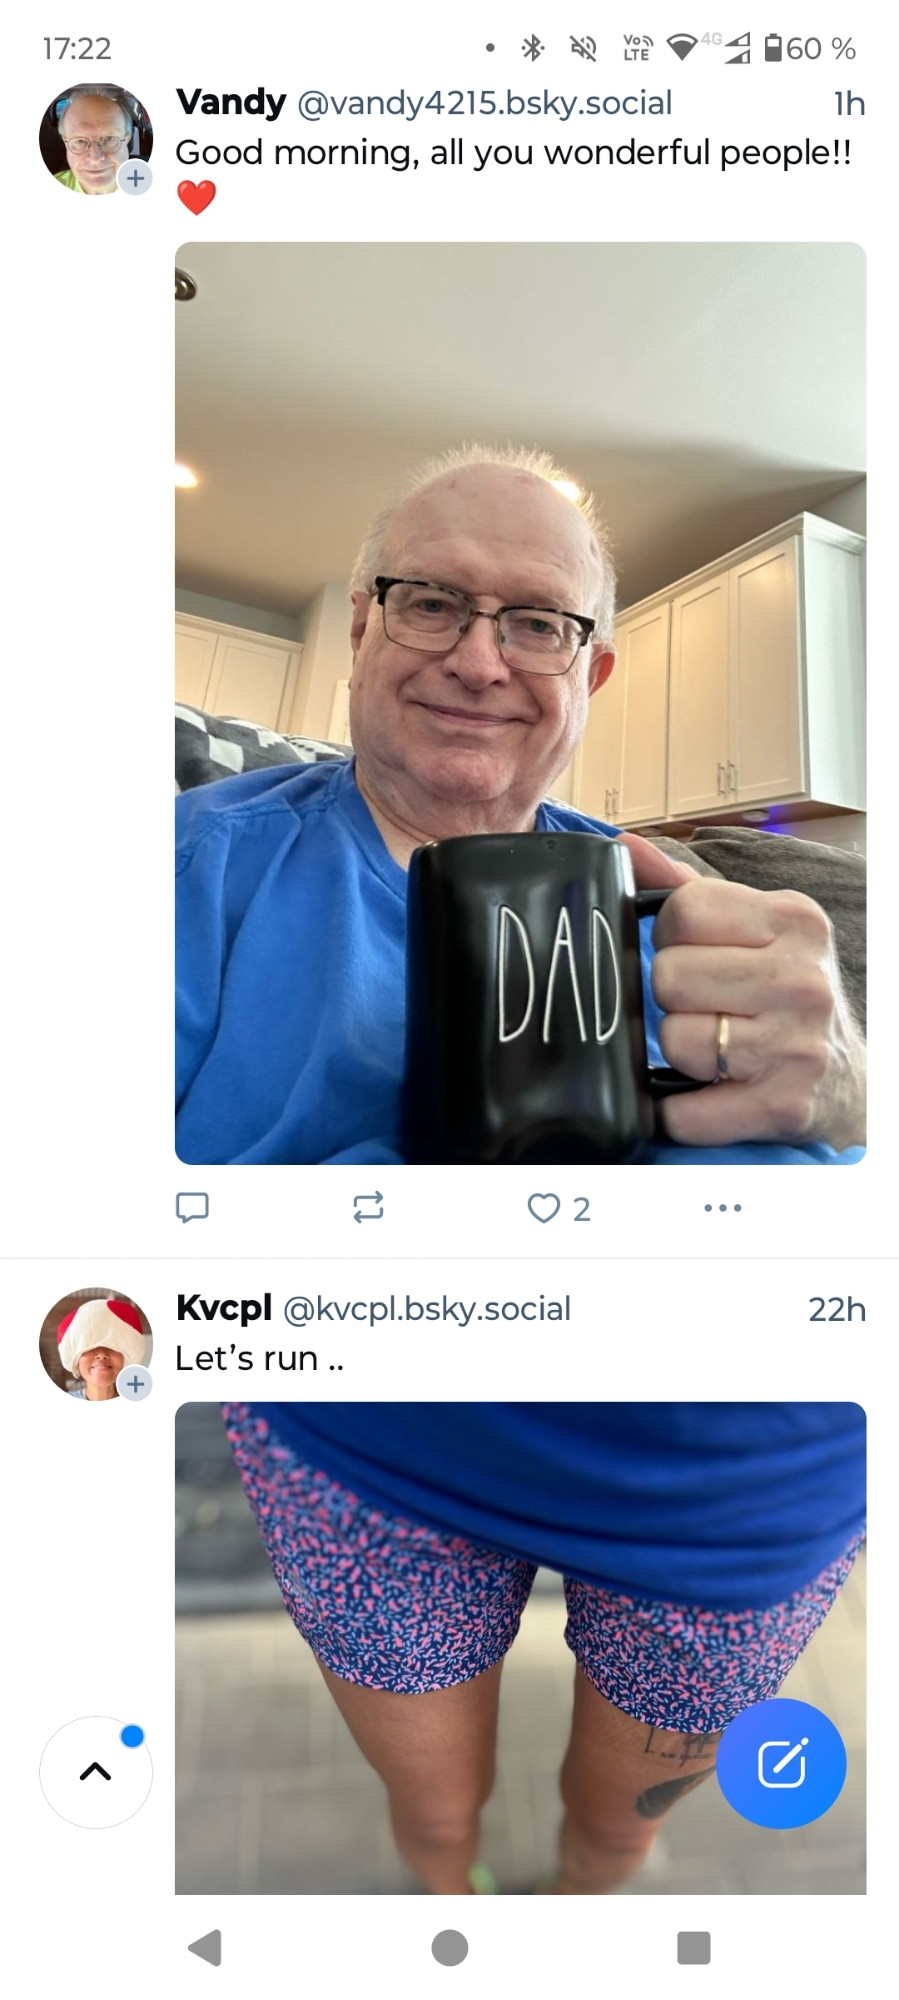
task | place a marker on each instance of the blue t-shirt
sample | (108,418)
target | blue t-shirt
(730,1505)
(291,921)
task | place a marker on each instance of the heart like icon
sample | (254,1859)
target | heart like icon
(196,196)
(544,1206)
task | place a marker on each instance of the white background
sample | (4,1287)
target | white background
(91,1176)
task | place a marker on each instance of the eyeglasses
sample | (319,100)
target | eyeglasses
(430,618)
(113,143)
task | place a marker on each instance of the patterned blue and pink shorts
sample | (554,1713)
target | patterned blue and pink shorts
(387,1603)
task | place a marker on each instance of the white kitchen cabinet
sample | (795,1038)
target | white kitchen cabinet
(195,644)
(697,734)
(767,696)
(597,761)
(230,671)
(765,747)
(740,686)
(643,645)
(619,769)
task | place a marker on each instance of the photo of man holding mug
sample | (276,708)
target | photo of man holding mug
(482,605)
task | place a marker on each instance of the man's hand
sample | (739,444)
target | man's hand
(766,959)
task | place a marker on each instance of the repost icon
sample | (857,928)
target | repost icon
(192,1207)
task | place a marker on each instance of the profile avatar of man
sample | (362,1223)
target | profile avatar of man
(292,883)
(95,126)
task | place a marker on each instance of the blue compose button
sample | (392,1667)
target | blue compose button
(781,1764)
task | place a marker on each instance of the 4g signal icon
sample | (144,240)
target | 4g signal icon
(683,46)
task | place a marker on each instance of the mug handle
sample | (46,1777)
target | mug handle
(662,1082)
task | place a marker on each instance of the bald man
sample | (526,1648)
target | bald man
(292,885)
(95,126)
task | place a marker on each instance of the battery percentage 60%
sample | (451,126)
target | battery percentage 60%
(810,47)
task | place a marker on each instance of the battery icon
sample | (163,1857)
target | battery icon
(774,48)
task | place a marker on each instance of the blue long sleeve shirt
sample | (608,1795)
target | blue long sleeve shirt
(291,918)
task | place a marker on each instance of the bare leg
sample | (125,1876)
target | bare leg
(619,1781)
(435,1753)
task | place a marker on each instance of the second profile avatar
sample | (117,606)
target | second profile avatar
(85,1346)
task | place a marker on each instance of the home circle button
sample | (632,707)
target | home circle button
(449,1947)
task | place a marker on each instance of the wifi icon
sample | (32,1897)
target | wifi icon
(682,44)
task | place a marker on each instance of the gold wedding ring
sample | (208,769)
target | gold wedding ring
(722,1044)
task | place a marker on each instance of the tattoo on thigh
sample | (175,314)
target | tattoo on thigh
(682,1750)
(659,1798)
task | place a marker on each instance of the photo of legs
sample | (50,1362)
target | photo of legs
(432,1733)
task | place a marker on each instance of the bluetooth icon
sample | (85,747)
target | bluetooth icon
(532,46)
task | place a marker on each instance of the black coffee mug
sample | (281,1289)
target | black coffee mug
(525,1036)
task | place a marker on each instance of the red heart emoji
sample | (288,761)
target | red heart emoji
(194,197)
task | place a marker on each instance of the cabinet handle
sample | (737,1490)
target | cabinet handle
(732,779)
(606,802)
(721,785)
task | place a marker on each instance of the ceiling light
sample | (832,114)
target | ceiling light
(567,486)
(184,476)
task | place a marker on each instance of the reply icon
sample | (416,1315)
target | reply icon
(192,1207)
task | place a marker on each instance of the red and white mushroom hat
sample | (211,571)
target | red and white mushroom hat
(101,1323)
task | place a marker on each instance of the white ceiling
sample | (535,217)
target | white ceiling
(705,391)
